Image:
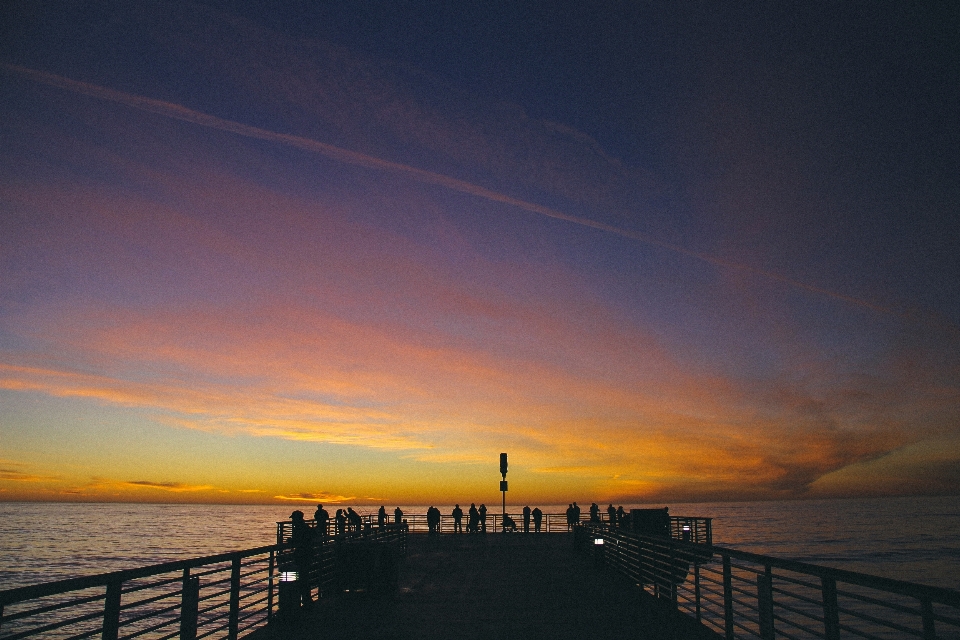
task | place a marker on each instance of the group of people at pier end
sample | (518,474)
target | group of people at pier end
(477,519)
(349,521)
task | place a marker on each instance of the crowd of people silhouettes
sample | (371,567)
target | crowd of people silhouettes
(349,521)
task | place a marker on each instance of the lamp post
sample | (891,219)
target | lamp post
(503,490)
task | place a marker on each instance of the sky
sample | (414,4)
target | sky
(311,252)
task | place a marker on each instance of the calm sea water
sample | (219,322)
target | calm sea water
(915,539)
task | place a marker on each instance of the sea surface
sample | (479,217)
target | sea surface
(913,539)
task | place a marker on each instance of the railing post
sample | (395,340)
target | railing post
(234,599)
(672,574)
(929,627)
(189,606)
(831,609)
(765,604)
(696,588)
(111,611)
(727,598)
(270,584)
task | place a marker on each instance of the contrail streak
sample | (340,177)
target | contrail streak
(346,156)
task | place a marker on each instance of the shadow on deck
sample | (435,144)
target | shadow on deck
(495,587)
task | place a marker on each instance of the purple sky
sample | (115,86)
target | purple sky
(655,252)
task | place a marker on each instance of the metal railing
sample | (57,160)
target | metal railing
(745,595)
(688,528)
(220,596)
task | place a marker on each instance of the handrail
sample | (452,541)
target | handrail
(744,594)
(232,592)
(699,529)
(29,592)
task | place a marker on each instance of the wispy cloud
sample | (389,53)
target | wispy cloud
(346,156)
(176,487)
(315,498)
(15,472)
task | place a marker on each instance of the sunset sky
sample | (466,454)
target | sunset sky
(657,252)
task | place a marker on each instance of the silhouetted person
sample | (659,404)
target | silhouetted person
(621,515)
(302,538)
(397,516)
(341,522)
(508,523)
(321,517)
(473,524)
(382,517)
(457,517)
(483,517)
(356,522)
(526,519)
(433,520)
(570,517)
(576,513)
(612,516)
(594,513)
(537,519)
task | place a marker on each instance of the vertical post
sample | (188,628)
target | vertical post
(831,610)
(673,575)
(641,565)
(929,627)
(1,616)
(189,606)
(728,599)
(111,611)
(696,587)
(270,584)
(765,603)
(234,599)
(503,490)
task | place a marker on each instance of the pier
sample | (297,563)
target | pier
(661,578)
(494,586)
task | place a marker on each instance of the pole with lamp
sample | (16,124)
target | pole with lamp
(503,489)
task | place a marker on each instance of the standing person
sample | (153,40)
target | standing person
(397,516)
(341,522)
(302,538)
(576,513)
(381,517)
(537,519)
(457,517)
(483,518)
(473,524)
(594,513)
(570,517)
(431,522)
(321,517)
(621,514)
(612,516)
(526,519)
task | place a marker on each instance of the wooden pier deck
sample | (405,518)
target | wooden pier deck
(494,587)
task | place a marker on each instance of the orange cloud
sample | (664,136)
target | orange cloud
(315,498)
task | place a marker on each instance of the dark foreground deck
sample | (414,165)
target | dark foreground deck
(495,587)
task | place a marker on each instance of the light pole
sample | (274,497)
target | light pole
(503,489)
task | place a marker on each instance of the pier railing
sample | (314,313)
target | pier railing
(745,595)
(219,596)
(227,595)
(691,529)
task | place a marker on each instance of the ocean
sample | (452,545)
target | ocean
(913,539)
